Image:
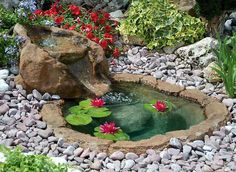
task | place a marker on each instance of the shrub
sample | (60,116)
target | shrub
(226,64)
(7,20)
(160,24)
(18,162)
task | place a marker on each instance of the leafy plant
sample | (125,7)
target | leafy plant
(118,135)
(7,20)
(159,107)
(18,162)
(84,112)
(226,64)
(160,24)
(8,49)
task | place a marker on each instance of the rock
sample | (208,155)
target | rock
(158,74)
(3,86)
(131,156)
(175,167)
(78,151)
(69,151)
(61,70)
(210,74)
(37,94)
(96,165)
(185,5)
(46,96)
(229,102)
(3,108)
(174,142)
(227,25)
(118,155)
(9,4)
(4,73)
(171,49)
(199,50)
(45,133)
(129,164)
(58,160)
(101,156)
(117,15)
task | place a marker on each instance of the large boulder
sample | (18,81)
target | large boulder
(61,62)
(199,53)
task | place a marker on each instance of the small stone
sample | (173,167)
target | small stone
(56,97)
(4,73)
(85,153)
(58,160)
(174,142)
(96,165)
(3,109)
(37,94)
(3,86)
(175,167)
(41,124)
(45,133)
(78,151)
(118,155)
(46,96)
(129,164)
(69,151)
(131,156)
(158,74)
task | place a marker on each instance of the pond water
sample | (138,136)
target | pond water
(126,102)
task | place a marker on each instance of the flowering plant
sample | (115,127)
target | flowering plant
(95,25)
(86,110)
(111,132)
(159,106)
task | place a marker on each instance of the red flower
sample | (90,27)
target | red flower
(107,28)
(102,21)
(116,53)
(72,27)
(106,16)
(109,37)
(78,20)
(96,39)
(89,35)
(38,12)
(58,20)
(104,44)
(160,106)
(75,10)
(66,26)
(87,28)
(94,17)
(97,102)
(109,128)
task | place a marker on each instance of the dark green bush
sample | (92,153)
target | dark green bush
(7,19)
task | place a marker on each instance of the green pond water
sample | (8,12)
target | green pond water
(126,103)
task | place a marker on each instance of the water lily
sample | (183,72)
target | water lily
(109,128)
(97,102)
(160,106)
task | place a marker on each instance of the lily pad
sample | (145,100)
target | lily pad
(74,119)
(99,112)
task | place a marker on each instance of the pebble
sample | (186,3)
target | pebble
(3,86)
(37,94)
(174,142)
(118,155)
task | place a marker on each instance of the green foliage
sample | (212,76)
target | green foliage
(18,162)
(226,64)
(7,20)
(8,49)
(150,107)
(160,24)
(118,136)
(84,112)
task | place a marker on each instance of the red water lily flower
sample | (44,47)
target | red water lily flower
(106,16)
(72,27)
(58,20)
(75,10)
(160,106)
(109,128)
(97,102)
(116,53)
(103,44)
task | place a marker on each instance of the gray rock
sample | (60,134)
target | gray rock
(45,133)
(37,94)
(174,142)
(3,86)
(56,97)
(228,25)
(69,150)
(101,156)
(158,74)
(4,73)
(96,165)
(129,164)
(118,155)
(85,153)
(131,156)
(41,124)
(4,108)
(46,96)
(78,151)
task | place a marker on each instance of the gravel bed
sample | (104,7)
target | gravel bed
(21,125)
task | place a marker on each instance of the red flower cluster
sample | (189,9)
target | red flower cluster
(97,103)
(109,128)
(160,106)
(95,25)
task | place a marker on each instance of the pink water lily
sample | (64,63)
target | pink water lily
(97,103)
(109,128)
(160,106)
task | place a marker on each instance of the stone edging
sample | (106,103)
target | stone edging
(215,111)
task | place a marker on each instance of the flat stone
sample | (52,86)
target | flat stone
(118,155)
(37,94)
(96,165)
(4,73)
(174,142)
(69,150)
(131,156)
(129,164)
(4,108)
(45,133)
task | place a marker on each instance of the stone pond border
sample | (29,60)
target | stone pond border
(215,111)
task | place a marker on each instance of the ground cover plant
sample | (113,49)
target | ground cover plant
(226,64)
(18,162)
(160,24)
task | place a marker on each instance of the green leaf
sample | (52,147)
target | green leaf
(75,110)
(99,112)
(120,135)
(85,104)
(150,108)
(74,119)
(105,136)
